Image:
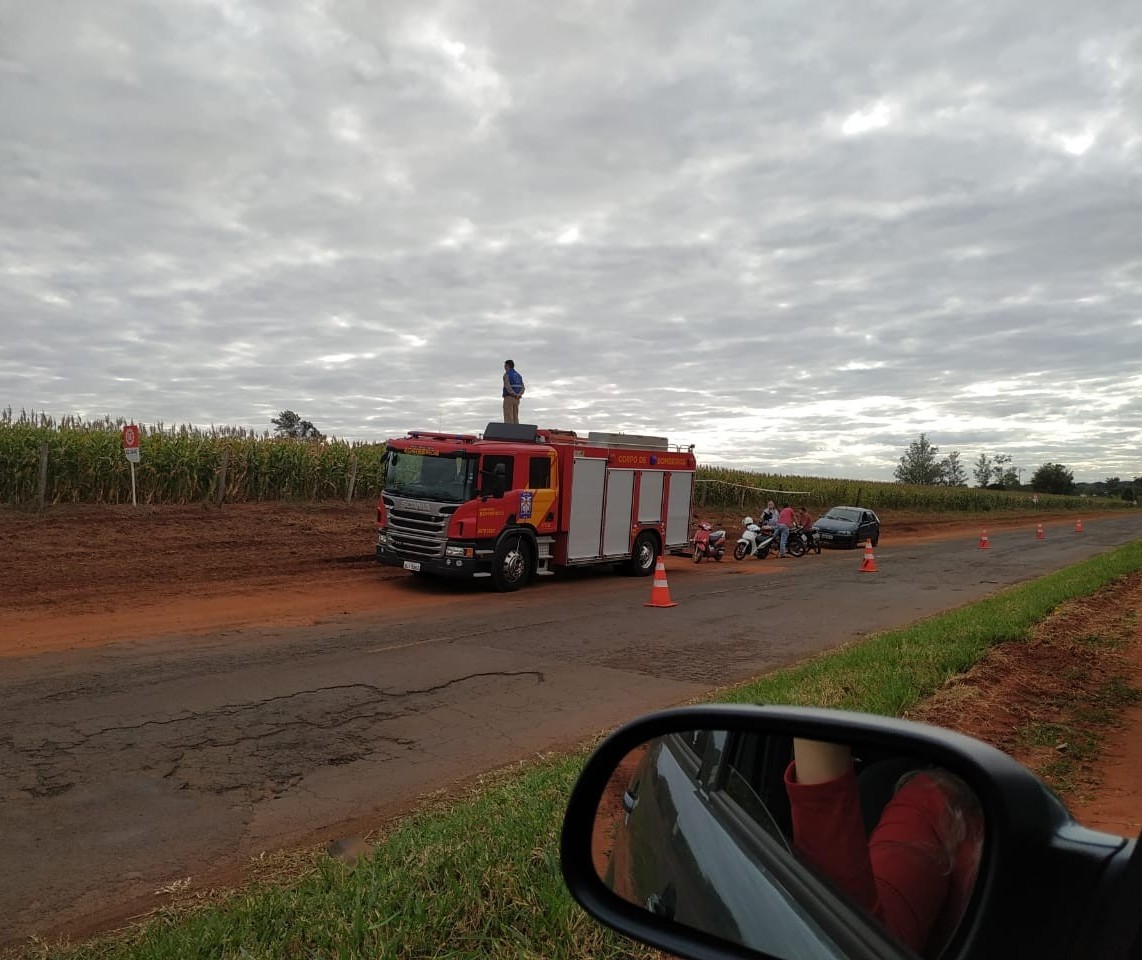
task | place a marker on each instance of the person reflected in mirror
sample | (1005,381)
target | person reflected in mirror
(916,871)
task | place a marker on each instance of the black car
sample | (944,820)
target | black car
(848,527)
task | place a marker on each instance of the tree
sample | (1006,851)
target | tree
(982,470)
(952,470)
(919,464)
(289,424)
(1053,478)
(1003,475)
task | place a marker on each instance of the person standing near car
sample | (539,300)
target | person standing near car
(784,522)
(513,390)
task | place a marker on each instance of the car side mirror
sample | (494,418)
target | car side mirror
(691,831)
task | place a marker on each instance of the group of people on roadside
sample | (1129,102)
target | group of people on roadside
(783,521)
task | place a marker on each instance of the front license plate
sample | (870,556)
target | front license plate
(826,536)
(412,565)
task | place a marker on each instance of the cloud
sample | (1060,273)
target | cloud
(794,237)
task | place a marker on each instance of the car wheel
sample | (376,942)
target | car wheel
(740,550)
(643,555)
(512,563)
(875,539)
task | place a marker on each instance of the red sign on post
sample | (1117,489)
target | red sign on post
(131,442)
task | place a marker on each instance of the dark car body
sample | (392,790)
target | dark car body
(848,527)
(698,789)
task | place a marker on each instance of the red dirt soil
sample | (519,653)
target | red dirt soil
(88,575)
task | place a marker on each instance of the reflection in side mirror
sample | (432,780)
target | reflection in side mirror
(747,837)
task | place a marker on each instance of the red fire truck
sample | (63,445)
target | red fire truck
(517,501)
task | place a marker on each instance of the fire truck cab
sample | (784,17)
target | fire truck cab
(519,501)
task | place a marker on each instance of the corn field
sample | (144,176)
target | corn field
(178,464)
(720,488)
(183,464)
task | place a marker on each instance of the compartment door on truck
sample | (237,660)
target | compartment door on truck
(650,496)
(678,507)
(588,483)
(620,500)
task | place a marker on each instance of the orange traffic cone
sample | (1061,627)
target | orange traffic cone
(1079,525)
(868,564)
(1039,534)
(983,544)
(660,593)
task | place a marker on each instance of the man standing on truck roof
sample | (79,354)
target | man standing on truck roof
(513,390)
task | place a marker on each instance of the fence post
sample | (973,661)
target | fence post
(352,478)
(42,485)
(220,487)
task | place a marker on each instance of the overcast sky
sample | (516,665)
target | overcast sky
(795,234)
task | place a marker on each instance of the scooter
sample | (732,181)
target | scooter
(750,539)
(757,542)
(708,542)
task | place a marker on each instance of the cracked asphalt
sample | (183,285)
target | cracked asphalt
(125,768)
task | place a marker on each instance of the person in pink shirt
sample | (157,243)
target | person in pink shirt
(784,522)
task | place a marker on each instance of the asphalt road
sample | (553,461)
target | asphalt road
(128,767)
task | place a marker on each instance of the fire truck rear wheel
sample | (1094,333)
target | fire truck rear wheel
(511,567)
(643,555)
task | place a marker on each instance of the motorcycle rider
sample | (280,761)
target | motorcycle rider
(805,522)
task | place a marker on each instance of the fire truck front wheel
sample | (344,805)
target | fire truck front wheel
(512,563)
(643,555)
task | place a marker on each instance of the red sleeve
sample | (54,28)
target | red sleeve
(901,874)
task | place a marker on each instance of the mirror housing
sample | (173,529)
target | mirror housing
(1039,880)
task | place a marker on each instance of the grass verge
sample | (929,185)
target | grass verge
(480,877)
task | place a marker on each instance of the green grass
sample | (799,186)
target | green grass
(480,877)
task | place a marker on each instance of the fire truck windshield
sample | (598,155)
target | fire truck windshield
(449,477)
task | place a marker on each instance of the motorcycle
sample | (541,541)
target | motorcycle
(809,539)
(708,542)
(756,541)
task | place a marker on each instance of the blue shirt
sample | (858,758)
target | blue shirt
(513,379)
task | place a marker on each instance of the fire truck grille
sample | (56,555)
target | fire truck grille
(418,534)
